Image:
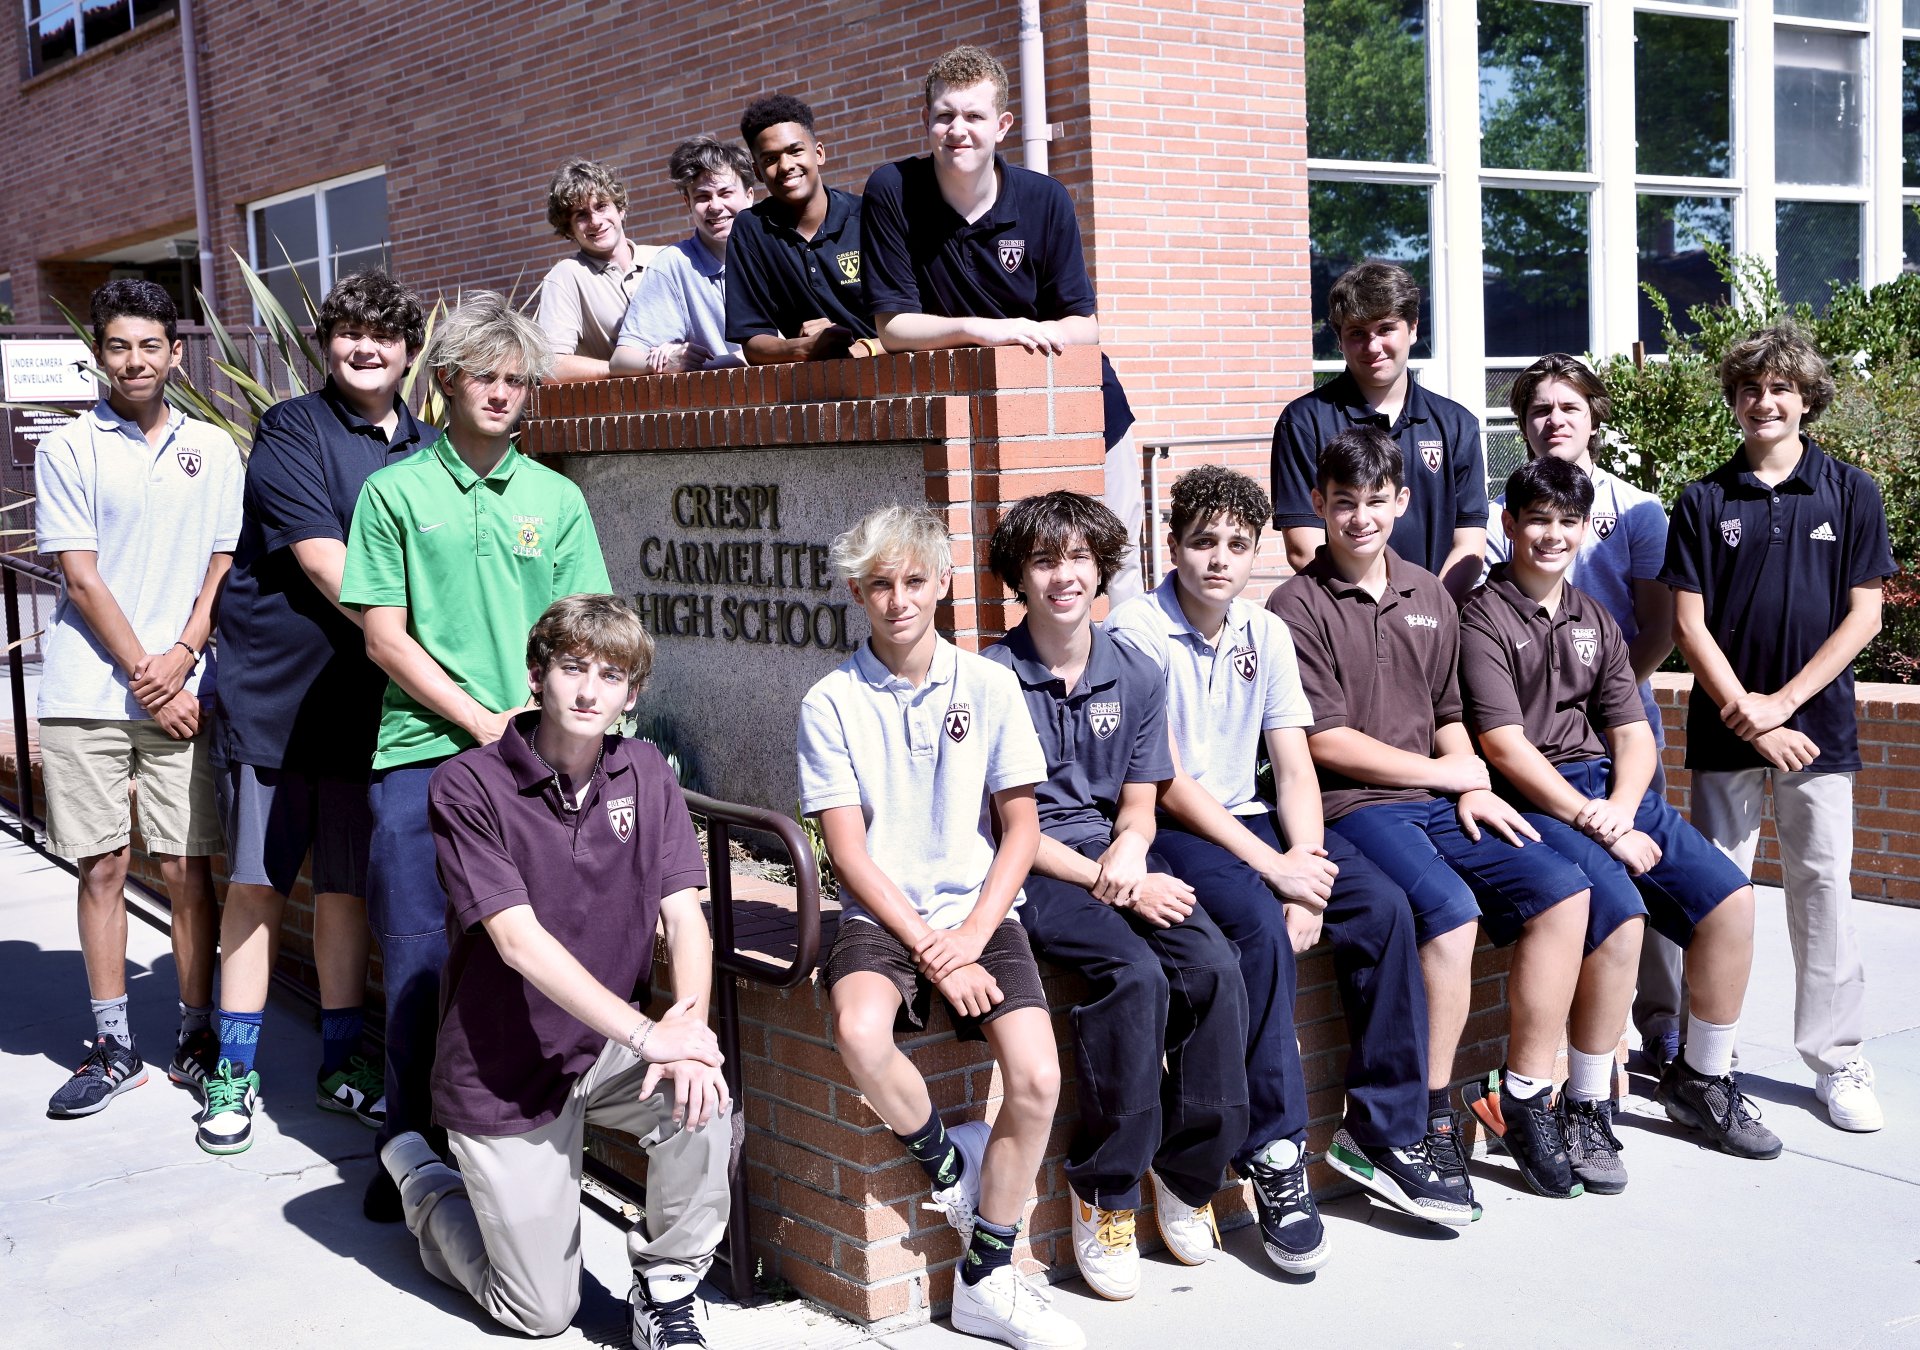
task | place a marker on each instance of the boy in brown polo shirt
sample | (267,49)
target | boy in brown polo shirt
(1551,697)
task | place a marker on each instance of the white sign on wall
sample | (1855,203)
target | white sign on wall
(58,371)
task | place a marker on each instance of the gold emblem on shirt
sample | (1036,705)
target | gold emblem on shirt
(849,264)
(526,535)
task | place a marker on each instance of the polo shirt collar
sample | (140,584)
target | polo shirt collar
(1102,666)
(107,419)
(840,206)
(602,266)
(463,476)
(1175,624)
(529,774)
(1321,569)
(1812,464)
(876,675)
(406,429)
(1344,390)
(702,258)
(1502,585)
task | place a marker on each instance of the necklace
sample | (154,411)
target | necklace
(573,806)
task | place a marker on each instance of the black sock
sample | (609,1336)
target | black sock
(1439,1102)
(992,1248)
(931,1149)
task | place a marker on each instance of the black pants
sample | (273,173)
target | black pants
(1152,991)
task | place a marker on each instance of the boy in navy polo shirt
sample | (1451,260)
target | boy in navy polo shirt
(794,293)
(1163,982)
(967,250)
(1375,312)
(1550,694)
(1776,560)
(1378,641)
(1271,877)
(563,847)
(909,753)
(295,732)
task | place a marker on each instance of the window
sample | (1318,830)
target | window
(1910,140)
(1819,142)
(1673,234)
(58,30)
(6,297)
(311,238)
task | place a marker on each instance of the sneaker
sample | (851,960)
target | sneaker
(196,1056)
(357,1089)
(666,1317)
(109,1069)
(1592,1146)
(1404,1177)
(1290,1227)
(226,1121)
(1450,1160)
(1718,1109)
(1007,1306)
(960,1200)
(1191,1235)
(1532,1132)
(1105,1248)
(1660,1050)
(410,1161)
(1848,1097)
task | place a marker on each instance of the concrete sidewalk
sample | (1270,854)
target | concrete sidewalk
(118,1230)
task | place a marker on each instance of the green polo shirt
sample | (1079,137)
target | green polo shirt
(475,561)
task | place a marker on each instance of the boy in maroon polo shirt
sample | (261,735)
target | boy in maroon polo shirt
(562,846)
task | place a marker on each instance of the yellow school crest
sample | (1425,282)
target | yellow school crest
(849,264)
(526,538)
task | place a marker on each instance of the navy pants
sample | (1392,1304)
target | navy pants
(1376,962)
(1151,991)
(407,910)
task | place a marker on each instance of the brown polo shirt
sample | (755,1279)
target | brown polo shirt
(1385,668)
(1564,677)
(582,300)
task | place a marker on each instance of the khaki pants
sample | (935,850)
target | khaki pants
(508,1232)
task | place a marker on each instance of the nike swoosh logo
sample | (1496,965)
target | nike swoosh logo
(429,529)
(1521,643)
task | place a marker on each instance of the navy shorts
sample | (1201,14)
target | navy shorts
(1687,884)
(862,945)
(1451,880)
(273,816)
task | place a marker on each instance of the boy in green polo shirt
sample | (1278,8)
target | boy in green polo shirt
(454,553)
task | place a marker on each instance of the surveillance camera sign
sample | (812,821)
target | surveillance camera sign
(48,372)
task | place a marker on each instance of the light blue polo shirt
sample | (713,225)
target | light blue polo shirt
(154,516)
(1221,696)
(682,298)
(920,764)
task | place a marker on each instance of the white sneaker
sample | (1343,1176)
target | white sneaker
(417,1171)
(960,1200)
(1191,1235)
(1008,1307)
(1848,1097)
(1104,1245)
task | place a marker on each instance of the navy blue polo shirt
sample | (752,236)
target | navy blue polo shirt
(1109,730)
(777,280)
(1439,444)
(1021,260)
(296,688)
(1774,566)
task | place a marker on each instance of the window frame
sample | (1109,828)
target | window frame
(323,238)
(31,31)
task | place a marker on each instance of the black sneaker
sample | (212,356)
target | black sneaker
(1718,1109)
(1535,1137)
(1404,1177)
(1290,1226)
(1592,1146)
(661,1322)
(109,1069)
(1450,1159)
(196,1058)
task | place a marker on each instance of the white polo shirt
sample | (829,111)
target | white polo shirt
(155,516)
(920,764)
(1221,696)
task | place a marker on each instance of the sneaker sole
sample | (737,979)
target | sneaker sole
(1596,1186)
(223,1150)
(197,1086)
(1854,1124)
(125,1085)
(1683,1115)
(1298,1263)
(326,1103)
(992,1328)
(1355,1167)
(1110,1295)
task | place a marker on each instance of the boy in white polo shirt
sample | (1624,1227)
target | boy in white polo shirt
(141,506)
(908,751)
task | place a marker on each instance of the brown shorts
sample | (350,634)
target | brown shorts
(864,946)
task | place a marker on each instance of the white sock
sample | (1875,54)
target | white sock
(1281,1153)
(1589,1077)
(1709,1048)
(1525,1088)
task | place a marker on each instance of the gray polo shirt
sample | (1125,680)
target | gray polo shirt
(154,516)
(582,300)
(682,298)
(1223,695)
(920,764)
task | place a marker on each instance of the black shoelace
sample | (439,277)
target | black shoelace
(675,1321)
(1443,1146)
(1284,1188)
(1737,1111)
(1594,1127)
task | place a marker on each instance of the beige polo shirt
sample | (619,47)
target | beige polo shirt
(583,299)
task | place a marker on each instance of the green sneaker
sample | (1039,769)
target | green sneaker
(357,1090)
(226,1121)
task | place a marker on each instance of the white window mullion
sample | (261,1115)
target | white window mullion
(323,266)
(1753,131)
(1881,260)
(1453,74)
(1616,250)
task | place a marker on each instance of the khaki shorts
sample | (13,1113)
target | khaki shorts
(88,764)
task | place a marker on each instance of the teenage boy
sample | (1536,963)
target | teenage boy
(452,555)
(1776,560)
(140,507)
(583,297)
(795,293)
(1378,641)
(678,318)
(1271,878)
(919,761)
(1374,310)
(967,250)
(295,730)
(1160,1039)
(564,847)
(1550,694)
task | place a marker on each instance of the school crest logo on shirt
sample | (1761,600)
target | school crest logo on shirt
(1430,453)
(1730,531)
(1586,644)
(620,816)
(1011,252)
(1104,718)
(848,263)
(1246,661)
(526,535)
(189,462)
(1422,621)
(1603,524)
(958,722)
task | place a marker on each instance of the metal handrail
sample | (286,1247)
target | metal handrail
(11,569)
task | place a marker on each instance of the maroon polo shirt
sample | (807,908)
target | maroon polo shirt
(1385,668)
(508,1054)
(1564,677)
